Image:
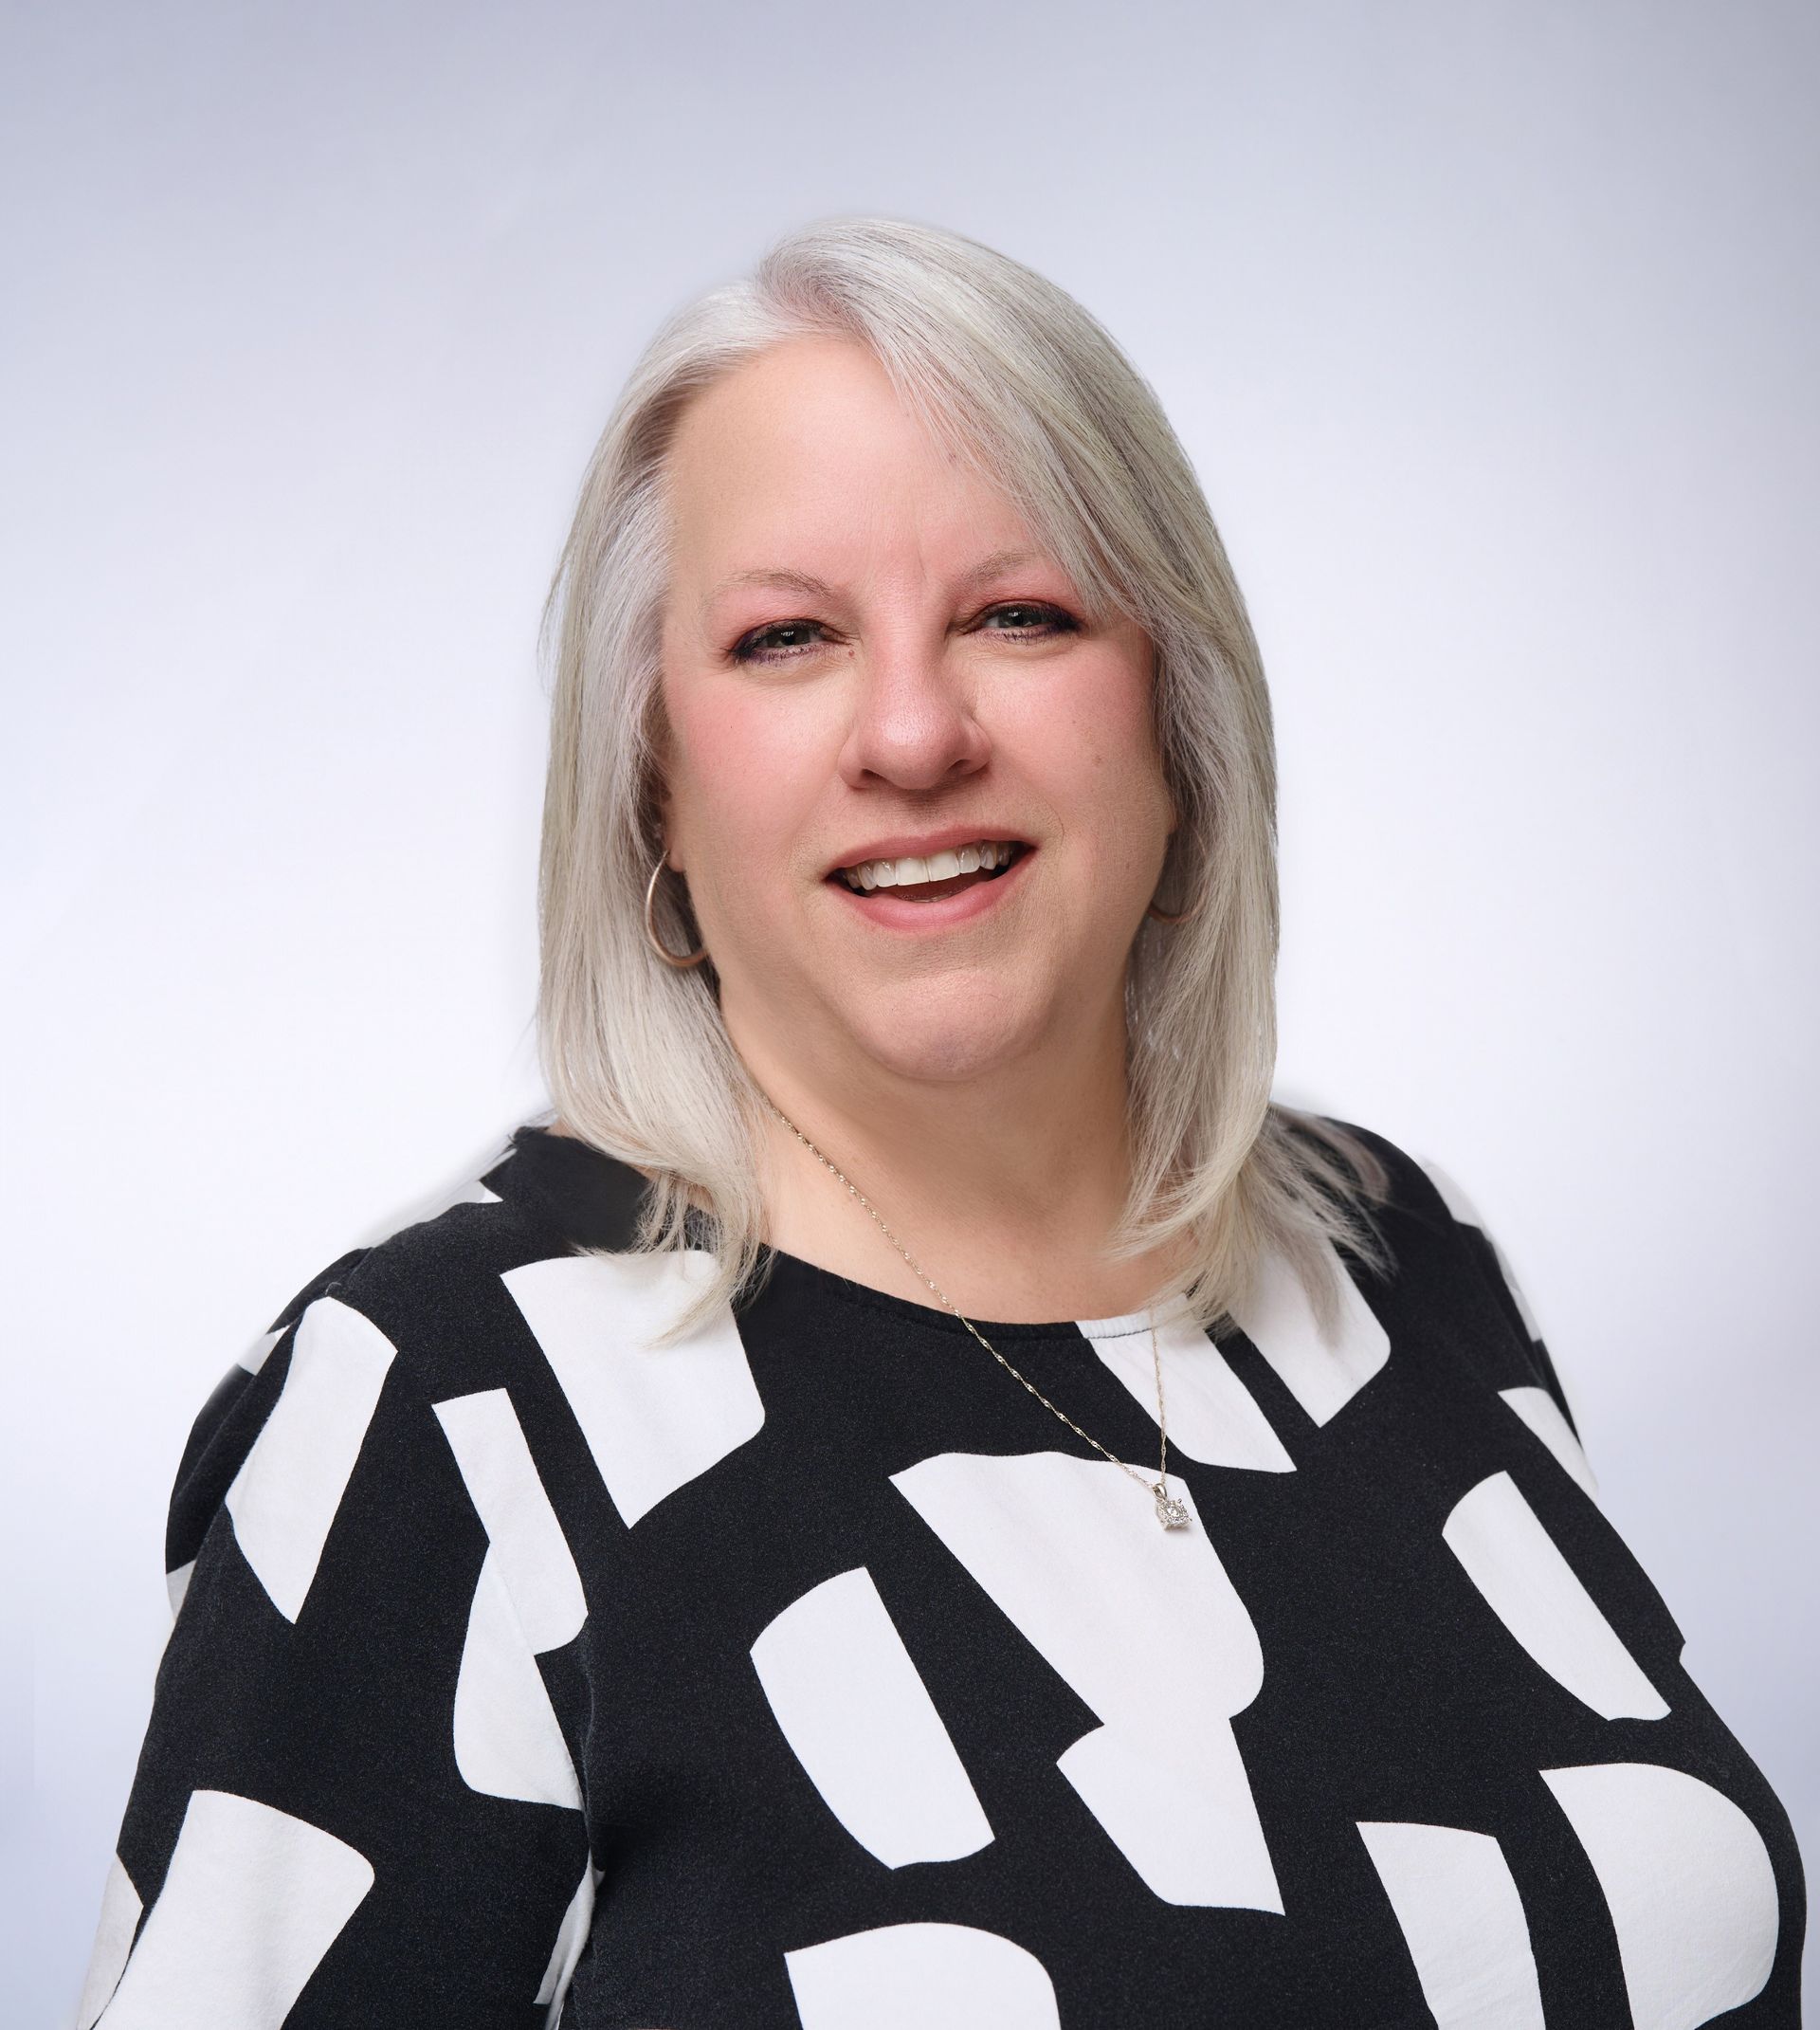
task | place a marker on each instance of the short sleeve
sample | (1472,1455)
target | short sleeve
(1494,1266)
(327,1825)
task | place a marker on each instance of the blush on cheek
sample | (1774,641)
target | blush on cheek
(743,795)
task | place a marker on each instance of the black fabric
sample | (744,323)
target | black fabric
(1392,1693)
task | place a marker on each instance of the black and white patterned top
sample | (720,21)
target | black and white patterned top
(810,1673)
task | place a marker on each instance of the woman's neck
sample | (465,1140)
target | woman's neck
(1003,1191)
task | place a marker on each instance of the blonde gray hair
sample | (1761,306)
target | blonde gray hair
(1014,377)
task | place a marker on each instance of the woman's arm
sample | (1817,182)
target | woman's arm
(339,1814)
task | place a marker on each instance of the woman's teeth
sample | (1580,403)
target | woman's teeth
(984,856)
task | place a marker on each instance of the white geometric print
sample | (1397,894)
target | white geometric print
(571,1936)
(922,1977)
(1688,1882)
(1212,1417)
(508,1742)
(508,1494)
(654,1418)
(289,1486)
(856,1712)
(528,1599)
(119,1918)
(251,1901)
(1542,1413)
(1533,1590)
(1458,1908)
(1323,1375)
(1070,1551)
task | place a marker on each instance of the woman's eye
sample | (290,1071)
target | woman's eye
(782,641)
(776,643)
(1030,616)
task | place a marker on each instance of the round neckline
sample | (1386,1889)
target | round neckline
(812,1278)
(619,1182)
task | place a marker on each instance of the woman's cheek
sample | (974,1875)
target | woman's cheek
(748,792)
(724,764)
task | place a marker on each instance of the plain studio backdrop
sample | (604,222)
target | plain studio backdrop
(1491,332)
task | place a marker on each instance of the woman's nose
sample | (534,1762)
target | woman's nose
(914,722)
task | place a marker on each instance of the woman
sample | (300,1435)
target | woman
(920,1496)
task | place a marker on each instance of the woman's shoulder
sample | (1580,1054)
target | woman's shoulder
(422,1313)
(1394,1181)
(1448,1252)
(536,1195)
(1413,1181)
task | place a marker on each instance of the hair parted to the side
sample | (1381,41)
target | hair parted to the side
(1016,378)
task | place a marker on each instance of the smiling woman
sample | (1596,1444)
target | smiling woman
(626,1598)
(914,657)
(887,552)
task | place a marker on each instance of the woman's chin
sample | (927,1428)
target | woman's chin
(922,1034)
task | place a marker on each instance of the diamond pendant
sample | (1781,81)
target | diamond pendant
(1171,1513)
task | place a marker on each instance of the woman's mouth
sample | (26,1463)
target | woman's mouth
(945,887)
(923,880)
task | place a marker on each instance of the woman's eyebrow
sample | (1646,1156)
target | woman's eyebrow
(814,588)
(800,581)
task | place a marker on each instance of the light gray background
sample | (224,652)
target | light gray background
(1491,331)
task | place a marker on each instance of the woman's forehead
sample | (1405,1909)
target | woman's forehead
(792,427)
(805,463)
(761,513)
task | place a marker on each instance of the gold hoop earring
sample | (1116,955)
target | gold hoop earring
(670,958)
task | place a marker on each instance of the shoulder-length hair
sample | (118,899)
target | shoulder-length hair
(1015,376)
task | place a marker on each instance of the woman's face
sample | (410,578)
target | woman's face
(866,656)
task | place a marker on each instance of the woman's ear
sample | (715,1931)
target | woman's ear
(667,825)
(659,801)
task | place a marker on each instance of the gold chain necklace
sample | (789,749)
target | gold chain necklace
(1171,1513)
